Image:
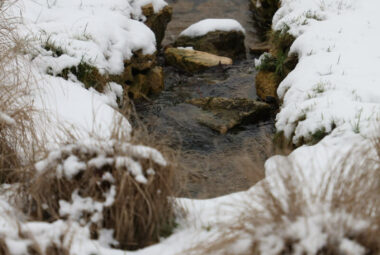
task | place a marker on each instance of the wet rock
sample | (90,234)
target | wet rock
(222,43)
(192,60)
(259,48)
(141,76)
(266,85)
(144,84)
(141,62)
(156,80)
(157,22)
(222,114)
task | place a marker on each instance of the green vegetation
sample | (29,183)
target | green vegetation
(88,75)
(279,61)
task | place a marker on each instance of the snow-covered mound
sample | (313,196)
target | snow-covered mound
(210,25)
(335,84)
(67,107)
(100,33)
(68,33)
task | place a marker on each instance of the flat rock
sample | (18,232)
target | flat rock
(259,48)
(222,114)
(222,43)
(193,60)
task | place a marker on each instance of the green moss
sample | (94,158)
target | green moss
(280,62)
(57,51)
(88,75)
(317,136)
(268,63)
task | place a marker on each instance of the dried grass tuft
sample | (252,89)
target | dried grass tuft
(285,217)
(15,121)
(134,205)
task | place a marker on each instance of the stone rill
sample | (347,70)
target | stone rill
(192,60)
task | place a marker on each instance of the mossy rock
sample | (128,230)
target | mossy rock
(222,114)
(193,61)
(222,43)
(144,84)
(266,85)
(157,22)
(88,75)
(141,62)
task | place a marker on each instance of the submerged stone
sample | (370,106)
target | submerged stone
(222,114)
(223,43)
(193,60)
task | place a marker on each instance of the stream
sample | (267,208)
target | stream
(215,164)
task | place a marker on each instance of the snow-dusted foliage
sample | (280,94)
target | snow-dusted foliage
(104,185)
(334,85)
(100,33)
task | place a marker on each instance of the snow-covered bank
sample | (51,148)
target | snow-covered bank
(334,87)
(92,34)
(102,34)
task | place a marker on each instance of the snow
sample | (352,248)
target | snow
(335,82)
(4,118)
(68,107)
(210,25)
(100,33)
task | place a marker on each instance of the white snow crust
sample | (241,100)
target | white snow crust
(210,25)
(335,82)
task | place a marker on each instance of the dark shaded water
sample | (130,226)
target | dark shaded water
(213,161)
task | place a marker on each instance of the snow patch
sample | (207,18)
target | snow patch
(210,25)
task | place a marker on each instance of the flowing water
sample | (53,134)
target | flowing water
(214,162)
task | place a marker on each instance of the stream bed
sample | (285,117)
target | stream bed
(215,164)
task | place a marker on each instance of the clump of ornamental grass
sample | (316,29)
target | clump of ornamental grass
(286,215)
(113,184)
(15,112)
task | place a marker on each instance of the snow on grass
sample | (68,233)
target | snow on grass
(210,25)
(100,33)
(69,33)
(66,105)
(334,85)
